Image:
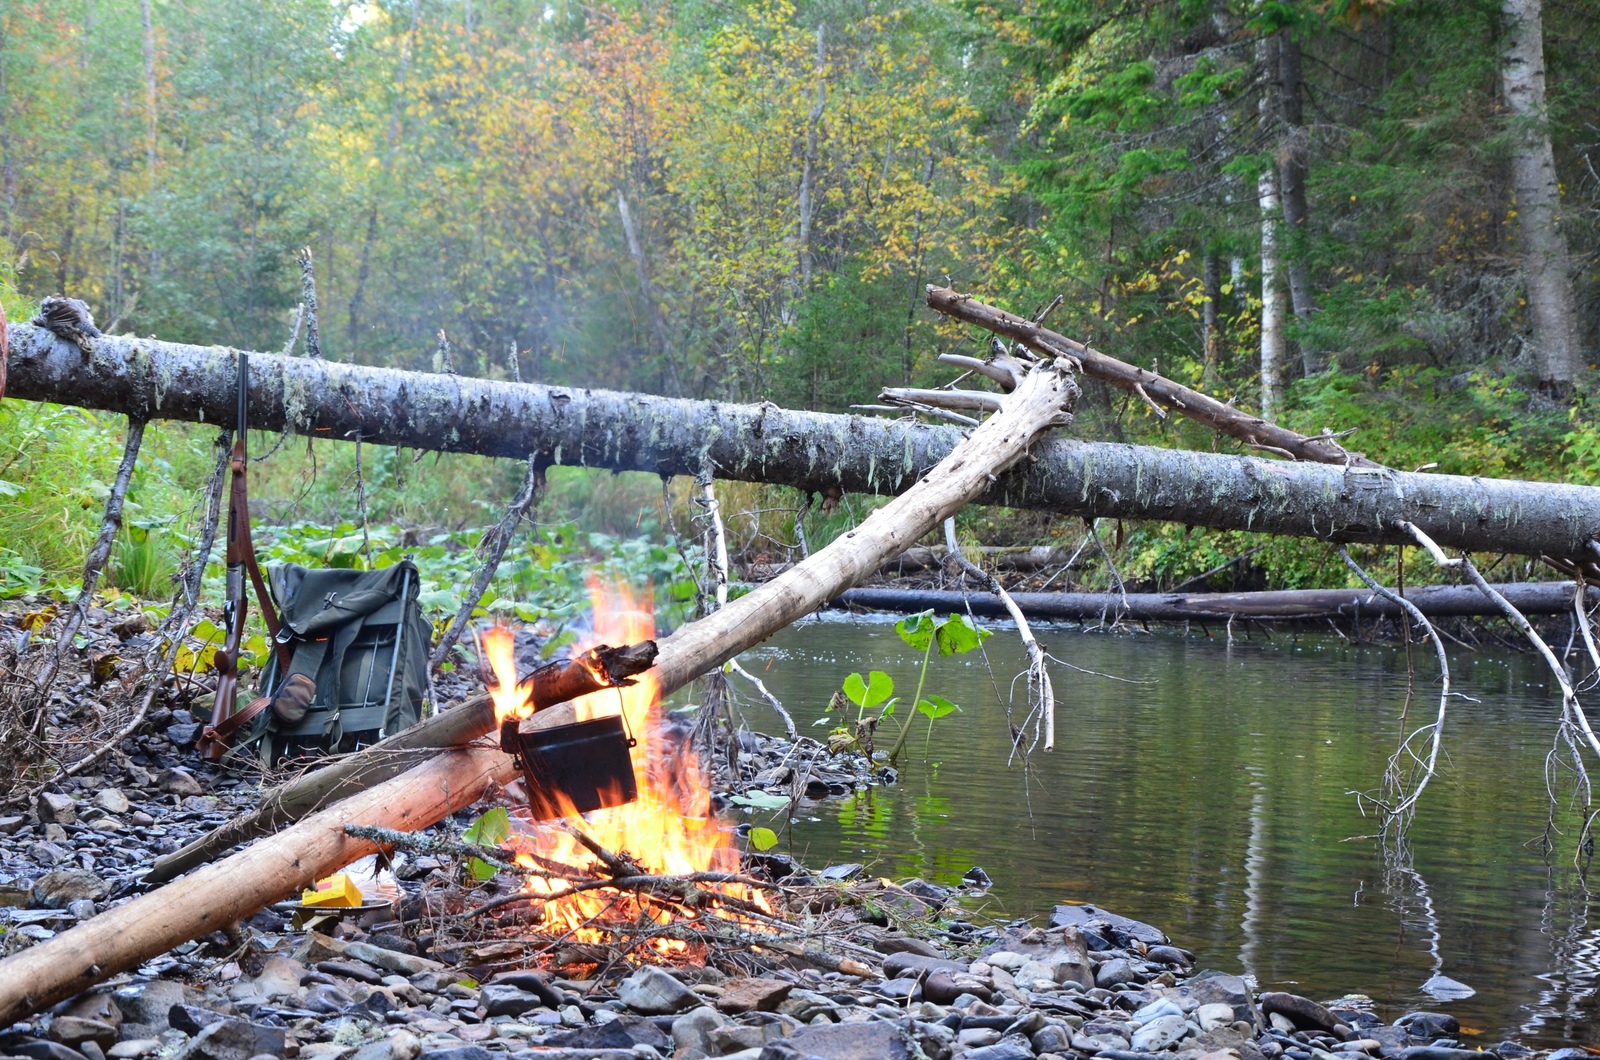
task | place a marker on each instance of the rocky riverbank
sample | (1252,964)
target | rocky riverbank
(390,984)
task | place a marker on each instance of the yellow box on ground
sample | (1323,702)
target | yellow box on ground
(336,890)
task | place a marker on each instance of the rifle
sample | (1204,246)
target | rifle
(241,561)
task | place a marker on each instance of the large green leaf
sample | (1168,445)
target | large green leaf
(868,693)
(916,630)
(957,634)
(936,707)
(763,839)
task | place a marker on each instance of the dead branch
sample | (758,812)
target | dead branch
(1155,389)
(1038,674)
(1400,813)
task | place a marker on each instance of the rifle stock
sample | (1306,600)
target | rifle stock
(241,563)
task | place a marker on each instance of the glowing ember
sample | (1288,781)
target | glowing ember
(669,829)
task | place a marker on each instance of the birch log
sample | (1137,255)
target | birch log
(810,451)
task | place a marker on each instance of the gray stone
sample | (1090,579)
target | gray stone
(1439,1052)
(1306,1014)
(1158,1034)
(999,1051)
(850,1041)
(75,1030)
(280,977)
(191,1019)
(1208,988)
(502,999)
(1214,1015)
(1429,1024)
(1051,1039)
(183,735)
(736,1037)
(973,1037)
(1121,928)
(179,782)
(112,800)
(149,1003)
(534,984)
(456,1052)
(691,1032)
(753,995)
(56,809)
(12,825)
(39,1049)
(898,964)
(234,1039)
(1111,973)
(95,1006)
(134,1047)
(57,890)
(655,993)
(840,873)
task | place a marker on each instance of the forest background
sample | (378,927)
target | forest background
(1351,215)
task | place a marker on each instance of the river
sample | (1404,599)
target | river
(1204,787)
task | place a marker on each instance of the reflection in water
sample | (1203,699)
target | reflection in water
(1225,763)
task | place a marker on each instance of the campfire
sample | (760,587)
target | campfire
(667,830)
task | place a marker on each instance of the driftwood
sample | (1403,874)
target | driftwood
(810,451)
(232,888)
(1438,601)
(603,667)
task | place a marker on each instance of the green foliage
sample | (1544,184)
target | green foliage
(763,839)
(488,829)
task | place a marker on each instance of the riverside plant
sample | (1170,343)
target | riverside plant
(952,635)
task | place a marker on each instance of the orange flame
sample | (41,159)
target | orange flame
(669,829)
(510,701)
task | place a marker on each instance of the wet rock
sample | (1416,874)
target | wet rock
(456,1052)
(12,825)
(234,1039)
(1305,1013)
(1429,1024)
(1121,928)
(179,782)
(691,1032)
(1439,1052)
(112,800)
(75,1030)
(753,995)
(533,984)
(56,809)
(1114,972)
(1567,1054)
(850,1041)
(1214,1015)
(655,993)
(840,873)
(57,890)
(898,964)
(1169,955)
(134,1048)
(904,944)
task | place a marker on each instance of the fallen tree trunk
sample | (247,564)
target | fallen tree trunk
(811,451)
(222,892)
(922,557)
(1462,601)
(602,667)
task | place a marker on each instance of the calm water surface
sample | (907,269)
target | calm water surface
(1204,788)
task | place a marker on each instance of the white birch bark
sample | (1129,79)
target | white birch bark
(1546,272)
